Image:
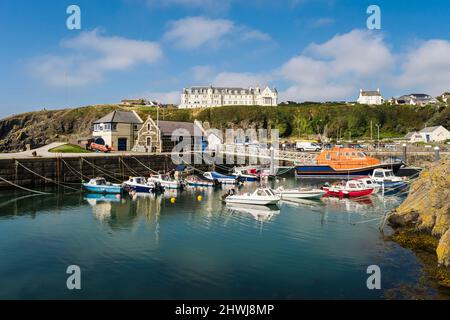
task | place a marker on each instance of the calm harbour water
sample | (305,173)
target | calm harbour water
(150,248)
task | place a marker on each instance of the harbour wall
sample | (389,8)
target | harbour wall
(31,172)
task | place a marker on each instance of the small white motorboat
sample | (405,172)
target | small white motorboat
(300,193)
(100,185)
(389,183)
(165,181)
(261,196)
(370,183)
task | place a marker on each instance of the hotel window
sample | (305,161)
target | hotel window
(107,127)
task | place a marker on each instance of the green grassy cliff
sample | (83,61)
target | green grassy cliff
(293,121)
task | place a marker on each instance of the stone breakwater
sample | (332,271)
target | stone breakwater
(422,221)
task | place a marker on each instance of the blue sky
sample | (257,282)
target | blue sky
(317,50)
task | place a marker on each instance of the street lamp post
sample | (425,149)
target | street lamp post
(378,127)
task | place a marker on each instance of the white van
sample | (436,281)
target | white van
(307,146)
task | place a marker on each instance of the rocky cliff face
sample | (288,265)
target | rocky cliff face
(427,208)
(43,127)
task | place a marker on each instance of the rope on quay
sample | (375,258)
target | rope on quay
(45,178)
(148,168)
(103,171)
(23,188)
(74,171)
(135,173)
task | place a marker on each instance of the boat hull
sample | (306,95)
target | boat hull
(390,188)
(200,184)
(302,195)
(246,178)
(326,171)
(103,189)
(350,194)
(140,188)
(262,202)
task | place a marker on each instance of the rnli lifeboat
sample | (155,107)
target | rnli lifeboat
(342,163)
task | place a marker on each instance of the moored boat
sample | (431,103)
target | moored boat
(165,181)
(343,163)
(196,181)
(244,174)
(352,188)
(299,193)
(100,185)
(141,185)
(370,183)
(261,196)
(224,179)
(390,184)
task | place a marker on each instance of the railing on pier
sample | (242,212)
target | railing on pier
(265,153)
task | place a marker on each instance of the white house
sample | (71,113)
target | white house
(429,134)
(117,129)
(370,97)
(446,97)
(413,137)
(435,134)
(204,97)
(416,99)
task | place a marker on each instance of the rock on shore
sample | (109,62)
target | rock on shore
(427,208)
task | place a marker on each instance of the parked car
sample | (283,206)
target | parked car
(307,146)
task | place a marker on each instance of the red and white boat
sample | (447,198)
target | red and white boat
(352,188)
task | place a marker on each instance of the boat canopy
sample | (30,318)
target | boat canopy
(345,158)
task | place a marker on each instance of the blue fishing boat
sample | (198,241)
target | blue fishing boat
(141,185)
(100,185)
(390,184)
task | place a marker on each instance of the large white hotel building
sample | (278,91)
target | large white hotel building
(203,97)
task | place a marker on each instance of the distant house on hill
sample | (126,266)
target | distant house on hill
(139,102)
(446,97)
(416,99)
(205,97)
(118,129)
(370,97)
(413,137)
(435,134)
(429,134)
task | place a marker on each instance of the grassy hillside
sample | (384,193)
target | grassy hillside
(296,120)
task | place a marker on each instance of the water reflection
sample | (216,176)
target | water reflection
(259,213)
(192,247)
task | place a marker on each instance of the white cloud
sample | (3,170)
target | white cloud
(91,55)
(255,35)
(426,68)
(194,32)
(236,79)
(338,67)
